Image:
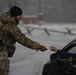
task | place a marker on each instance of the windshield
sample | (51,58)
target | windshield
(72,50)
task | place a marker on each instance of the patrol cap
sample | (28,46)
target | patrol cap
(15,11)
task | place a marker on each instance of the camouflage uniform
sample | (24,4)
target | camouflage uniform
(9,35)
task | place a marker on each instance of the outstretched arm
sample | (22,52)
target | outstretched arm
(63,54)
(22,39)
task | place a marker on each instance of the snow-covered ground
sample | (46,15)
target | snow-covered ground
(30,62)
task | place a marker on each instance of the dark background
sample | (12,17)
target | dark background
(54,11)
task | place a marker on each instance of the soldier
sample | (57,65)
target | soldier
(9,35)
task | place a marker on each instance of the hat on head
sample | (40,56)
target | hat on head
(15,11)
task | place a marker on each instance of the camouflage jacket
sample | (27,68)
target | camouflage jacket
(10,33)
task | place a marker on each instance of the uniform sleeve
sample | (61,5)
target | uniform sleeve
(22,39)
(66,55)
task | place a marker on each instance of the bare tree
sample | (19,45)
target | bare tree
(1,5)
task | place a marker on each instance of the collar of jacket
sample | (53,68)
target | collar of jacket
(6,18)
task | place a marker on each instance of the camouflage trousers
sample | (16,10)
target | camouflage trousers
(4,63)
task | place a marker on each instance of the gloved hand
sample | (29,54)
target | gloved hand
(42,48)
